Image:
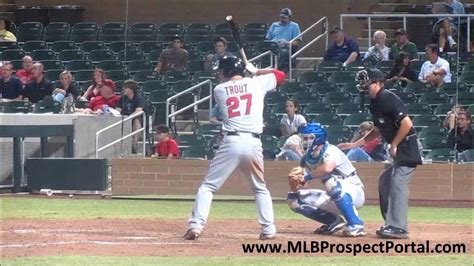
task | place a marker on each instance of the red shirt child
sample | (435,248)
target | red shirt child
(167,148)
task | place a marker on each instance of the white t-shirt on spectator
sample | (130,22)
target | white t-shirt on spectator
(372,51)
(292,126)
(428,68)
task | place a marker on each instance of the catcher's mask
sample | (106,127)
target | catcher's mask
(312,135)
(368,76)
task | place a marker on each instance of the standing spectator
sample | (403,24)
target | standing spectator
(292,120)
(132,102)
(445,27)
(5,34)
(167,148)
(343,49)
(436,69)
(362,149)
(40,87)
(401,71)
(174,57)
(26,73)
(98,76)
(391,118)
(66,87)
(461,138)
(10,86)
(107,99)
(378,52)
(282,32)
(452,116)
(220,45)
(403,44)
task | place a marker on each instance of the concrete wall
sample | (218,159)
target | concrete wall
(182,177)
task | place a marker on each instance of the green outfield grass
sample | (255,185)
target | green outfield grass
(398,260)
(75,208)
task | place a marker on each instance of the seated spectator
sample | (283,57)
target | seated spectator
(435,70)
(26,73)
(94,89)
(66,87)
(445,27)
(132,102)
(282,32)
(363,150)
(378,52)
(220,45)
(401,71)
(291,121)
(40,87)
(461,138)
(343,49)
(403,44)
(451,117)
(5,34)
(167,148)
(106,100)
(175,57)
(10,86)
(292,149)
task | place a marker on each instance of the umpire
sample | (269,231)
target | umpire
(390,116)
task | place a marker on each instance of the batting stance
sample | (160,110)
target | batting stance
(344,190)
(240,100)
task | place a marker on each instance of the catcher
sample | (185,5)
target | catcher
(335,207)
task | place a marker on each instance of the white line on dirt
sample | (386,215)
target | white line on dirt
(93,242)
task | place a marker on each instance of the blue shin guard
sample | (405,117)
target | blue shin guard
(344,203)
(309,211)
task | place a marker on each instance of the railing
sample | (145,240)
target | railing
(273,58)
(405,16)
(97,134)
(195,104)
(325,25)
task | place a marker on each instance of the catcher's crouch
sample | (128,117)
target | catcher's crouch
(344,190)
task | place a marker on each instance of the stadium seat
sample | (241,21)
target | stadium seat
(47,106)
(194,66)
(426,121)
(154,85)
(17,64)
(311,77)
(100,55)
(443,109)
(419,88)
(145,75)
(52,64)
(355,66)
(329,66)
(351,88)
(29,46)
(199,28)
(452,88)
(275,97)
(60,46)
(13,54)
(441,155)
(8,46)
(291,88)
(108,65)
(171,28)
(15,107)
(75,65)
(201,76)
(279,109)
(192,38)
(112,31)
(323,88)
(119,46)
(56,31)
(204,48)
(434,142)
(174,75)
(407,97)
(432,131)
(348,109)
(164,38)
(467,77)
(339,131)
(419,108)
(209,129)
(325,119)
(89,46)
(181,85)
(84,31)
(263,46)
(137,65)
(385,66)
(269,141)
(43,54)
(255,28)
(304,98)
(470,109)
(153,56)
(160,96)
(29,31)
(149,46)
(354,120)
(186,140)
(252,39)
(318,108)
(52,74)
(117,75)
(197,152)
(130,55)
(81,104)
(68,55)
(433,98)
(464,98)
(83,75)
(337,98)
(342,77)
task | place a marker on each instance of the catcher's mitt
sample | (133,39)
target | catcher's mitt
(296,178)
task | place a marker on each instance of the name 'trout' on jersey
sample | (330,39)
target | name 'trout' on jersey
(241,102)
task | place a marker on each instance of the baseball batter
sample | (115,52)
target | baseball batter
(240,100)
(336,207)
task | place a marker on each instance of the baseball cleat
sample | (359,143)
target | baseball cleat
(354,230)
(267,236)
(392,232)
(329,229)
(192,234)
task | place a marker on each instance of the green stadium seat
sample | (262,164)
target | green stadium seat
(337,98)
(385,66)
(355,66)
(29,31)
(443,109)
(52,74)
(97,56)
(464,98)
(117,75)
(197,152)
(194,66)
(130,55)
(263,46)
(433,131)
(279,109)
(339,131)
(351,88)
(255,28)
(171,28)
(347,109)
(325,119)
(59,46)
(137,65)
(426,121)
(174,75)
(467,77)
(52,64)
(209,129)
(311,77)
(434,142)
(75,65)
(354,120)
(84,31)
(200,76)
(56,31)
(407,97)
(154,85)
(433,98)
(68,55)
(323,88)
(419,109)
(13,54)
(109,65)
(204,47)
(181,85)
(291,88)
(15,107)
(145,75)
(419,88)
(252,39)
(83,75)
(47,106)
(318,108)
(81,104)
(304,98)
(112,31)
(29,46)
(342,77)
(149,46)
(8,46)
(192,38)
(441,155)
(275,97)
(43,54)
(153,56)
(17,64)
(329,66)
(89,46)
(160,95)
(452,88)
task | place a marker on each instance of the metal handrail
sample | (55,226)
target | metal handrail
(405,16)
(290,53)
(273,60)
(130,117)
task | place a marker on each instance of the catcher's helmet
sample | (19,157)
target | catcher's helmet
(316,133)
(368,76)
(231,66)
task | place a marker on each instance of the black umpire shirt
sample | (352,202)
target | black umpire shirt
(129,106)
(35,92)
(388,110)
(462,141)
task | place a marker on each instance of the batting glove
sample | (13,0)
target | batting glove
(251,68)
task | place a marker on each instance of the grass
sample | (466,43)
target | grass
(63,208)
(297,260)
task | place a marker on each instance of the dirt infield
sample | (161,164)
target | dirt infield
(154,237)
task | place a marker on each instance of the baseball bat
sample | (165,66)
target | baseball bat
(236,36)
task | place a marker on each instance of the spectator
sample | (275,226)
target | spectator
(378,52)
(343,49)
(291,121)
(132,102)
(174,57)
(26,73)
(401,71)
(403,44)
(216,115)
(282,32)
(435,70)
(451,117)
(5,34)
(106,100)
(461,138)
(220,45)
(40,87)
(292,149)
(66,87)
(167,148)
(94,89)
(363,150)
(10,86)
(445,27)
